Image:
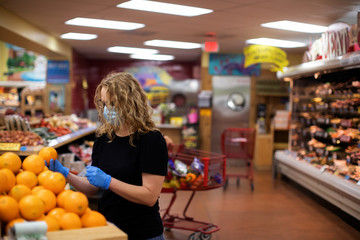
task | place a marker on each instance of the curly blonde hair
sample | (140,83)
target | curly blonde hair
(130,102)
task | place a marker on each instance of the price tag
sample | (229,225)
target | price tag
(347,177)
(358,183)
(10,146)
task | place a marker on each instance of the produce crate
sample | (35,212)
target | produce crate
(108,232)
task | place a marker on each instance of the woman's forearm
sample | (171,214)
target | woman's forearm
(82,184)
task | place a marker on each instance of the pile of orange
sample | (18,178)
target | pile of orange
(30,192)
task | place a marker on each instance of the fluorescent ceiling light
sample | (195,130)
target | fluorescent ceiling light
(172,44)
(295,26)
(167,8)
(157,57)
(131,50)
(275,42)
(101,23)
(78,36)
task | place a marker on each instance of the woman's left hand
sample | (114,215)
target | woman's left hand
(97,177)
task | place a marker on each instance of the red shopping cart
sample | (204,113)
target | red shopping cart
(238,143)
(212,176)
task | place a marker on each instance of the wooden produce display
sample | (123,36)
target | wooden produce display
(37,202)
(108,232)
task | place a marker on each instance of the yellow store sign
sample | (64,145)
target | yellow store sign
(265,54)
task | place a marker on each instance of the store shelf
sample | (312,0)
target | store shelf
(309,68)
(21,84)
(334,189)
(56,143)
(68,138)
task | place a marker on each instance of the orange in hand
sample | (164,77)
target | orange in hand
(48,153)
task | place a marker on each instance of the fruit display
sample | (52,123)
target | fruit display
(326,121)
(31,192)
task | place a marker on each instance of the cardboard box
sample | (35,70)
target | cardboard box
(108,232)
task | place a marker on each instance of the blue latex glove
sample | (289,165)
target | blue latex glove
(97,177)
(56,166)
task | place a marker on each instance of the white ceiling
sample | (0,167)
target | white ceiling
(233,21)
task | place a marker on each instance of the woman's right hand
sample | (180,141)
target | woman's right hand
(56,166)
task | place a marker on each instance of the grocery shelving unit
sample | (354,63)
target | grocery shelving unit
(57,142)
(315,118)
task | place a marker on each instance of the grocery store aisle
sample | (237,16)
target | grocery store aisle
(277,209)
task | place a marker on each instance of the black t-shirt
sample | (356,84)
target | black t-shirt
(126,163)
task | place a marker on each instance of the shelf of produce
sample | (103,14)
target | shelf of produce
(68,138)
(342,193)
(55,143)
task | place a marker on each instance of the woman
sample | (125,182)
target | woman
(129,159)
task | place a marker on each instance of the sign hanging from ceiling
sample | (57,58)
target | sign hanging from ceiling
(231,64)
(266,54)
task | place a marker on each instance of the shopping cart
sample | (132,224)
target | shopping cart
(212,176)
(238,143)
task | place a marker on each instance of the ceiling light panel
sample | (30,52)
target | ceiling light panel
(78,36)
(101,23)
(132,50)
(275,42)
(172,44)
(295,26)
(157,57)
(167,8)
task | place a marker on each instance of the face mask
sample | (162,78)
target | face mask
(110,115)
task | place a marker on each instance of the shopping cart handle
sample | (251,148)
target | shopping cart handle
(238,140)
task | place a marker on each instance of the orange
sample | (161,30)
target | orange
(19,191)
(55,182)
(12,222)
(9,209)
(31,207)
(76,202)
(93,219)
(37,188)
(48,153)
(4,182)
(10,160)
(41,218)
(11,180)
(70,220)
(33,163)
(56,213)
(27,178)
(43,176)
(60,199)
(48,197)
(52,223)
